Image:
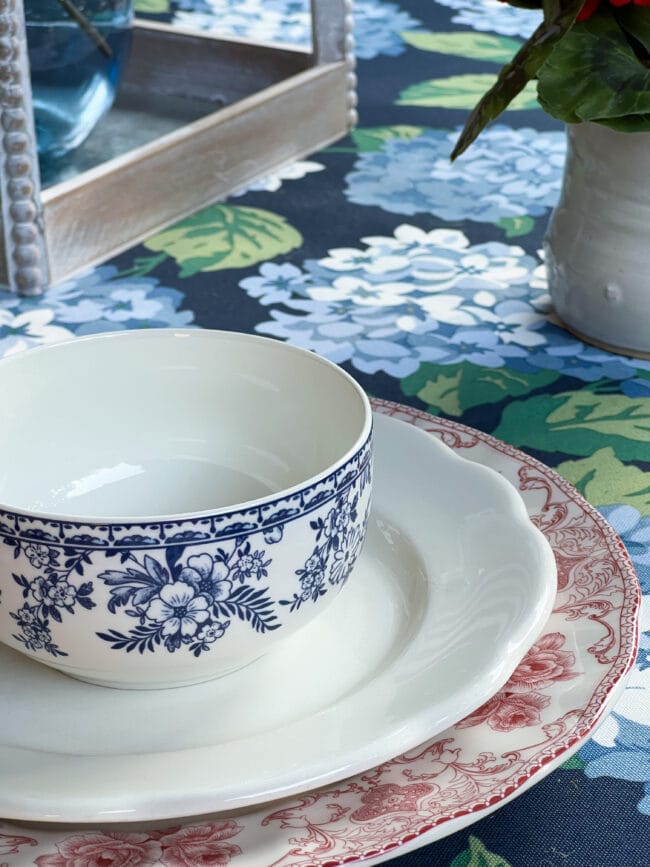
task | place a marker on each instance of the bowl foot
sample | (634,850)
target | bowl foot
(148,685)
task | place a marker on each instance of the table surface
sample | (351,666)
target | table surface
(424,280)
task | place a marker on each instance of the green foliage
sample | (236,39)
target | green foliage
(603,479)
(474,45)
(225,236)
(478,856)
(594,74)
(635,22)
(594,70)
(452,389)
(559,16)
(460,91)
(579,423)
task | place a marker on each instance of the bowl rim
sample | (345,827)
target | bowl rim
(136,335)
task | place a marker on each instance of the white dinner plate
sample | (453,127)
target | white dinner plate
(567,682)
(453,586)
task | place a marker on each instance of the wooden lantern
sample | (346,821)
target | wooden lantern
(230,111)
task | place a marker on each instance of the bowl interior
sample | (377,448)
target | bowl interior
(146,424)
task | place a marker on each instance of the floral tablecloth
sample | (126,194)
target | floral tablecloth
(425,280)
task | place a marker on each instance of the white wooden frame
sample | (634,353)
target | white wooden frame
(272,104)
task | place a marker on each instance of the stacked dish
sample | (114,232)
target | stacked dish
(428,685)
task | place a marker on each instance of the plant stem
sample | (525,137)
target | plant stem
(87,26)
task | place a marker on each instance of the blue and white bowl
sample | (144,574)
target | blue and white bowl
(174,502)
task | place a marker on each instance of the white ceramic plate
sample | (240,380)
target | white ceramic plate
(588,646)
(454,585)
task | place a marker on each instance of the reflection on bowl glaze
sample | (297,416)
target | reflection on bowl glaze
(257,526)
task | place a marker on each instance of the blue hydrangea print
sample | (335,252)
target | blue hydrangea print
(99,300)
(506,173)
(634,530)
(377,31)
(424,296)
(383,309)
(621,746)
(492,15)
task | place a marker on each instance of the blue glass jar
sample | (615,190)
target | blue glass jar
(75,69)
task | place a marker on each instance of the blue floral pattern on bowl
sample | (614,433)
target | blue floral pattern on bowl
(189,604)
(48,596)
(181,585)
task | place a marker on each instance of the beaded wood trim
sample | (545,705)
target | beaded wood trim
(19,175)
(351,63)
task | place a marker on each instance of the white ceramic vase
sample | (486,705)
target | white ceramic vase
(598,240)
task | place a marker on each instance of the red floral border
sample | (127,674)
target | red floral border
(401,801)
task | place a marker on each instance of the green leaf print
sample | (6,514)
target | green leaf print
(478,856)
(575,763)
(461,91)
(452,389)
(580,423)
(225,236)
(475,45)
(515,227)
(369,139)
(603,479)
(440,393)
(152,7)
